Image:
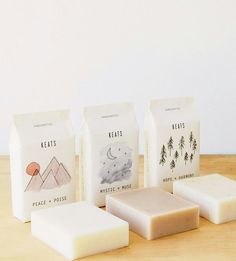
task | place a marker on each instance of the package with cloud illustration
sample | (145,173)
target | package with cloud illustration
(108,151)
(42,158)
(171,150)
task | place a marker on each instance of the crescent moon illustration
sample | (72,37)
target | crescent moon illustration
(109,155)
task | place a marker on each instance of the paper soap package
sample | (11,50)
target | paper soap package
(171,142)
(42,158)
(108,151)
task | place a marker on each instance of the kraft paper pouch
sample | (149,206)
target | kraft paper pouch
(171,142)
(42,157)
(108,151)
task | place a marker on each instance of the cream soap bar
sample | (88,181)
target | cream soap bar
(153,212)
(215,194)
(78,229)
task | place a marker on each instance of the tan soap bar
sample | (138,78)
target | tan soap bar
(152,212)
(215,194)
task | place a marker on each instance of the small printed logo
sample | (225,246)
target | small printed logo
(114,134)
(177,126)
(48,144)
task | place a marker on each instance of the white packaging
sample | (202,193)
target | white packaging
(42,157)
(171,142)
(108,151)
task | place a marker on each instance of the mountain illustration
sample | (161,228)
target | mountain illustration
(35,183)
(50,181)
(54,175)
(52,166)
(62,176)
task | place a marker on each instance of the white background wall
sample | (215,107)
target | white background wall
(66,54)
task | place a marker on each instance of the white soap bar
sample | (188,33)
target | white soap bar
(215,194)
(78,229)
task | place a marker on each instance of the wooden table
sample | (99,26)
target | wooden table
(209,242)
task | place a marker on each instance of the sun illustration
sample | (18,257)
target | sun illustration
(33,169)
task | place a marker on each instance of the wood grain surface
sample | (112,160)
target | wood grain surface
(209,242)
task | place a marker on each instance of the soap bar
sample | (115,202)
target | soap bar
(215,194)
(153,212)
(78,229)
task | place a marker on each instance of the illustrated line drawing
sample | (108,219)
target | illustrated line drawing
(55,175)
(180,153)
(116,161)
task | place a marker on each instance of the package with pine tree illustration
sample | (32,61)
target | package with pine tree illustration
(108,151)
(171,142)
(42,159)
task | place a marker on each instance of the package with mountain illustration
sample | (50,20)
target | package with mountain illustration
(171,142)
(108,151)
(42,157)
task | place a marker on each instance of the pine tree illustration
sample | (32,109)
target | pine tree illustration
(191,139)
(194,145)
(176,155)
(191,157)
(181,144)
(172,165)
(163,156)
(170,144)
(186,157)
